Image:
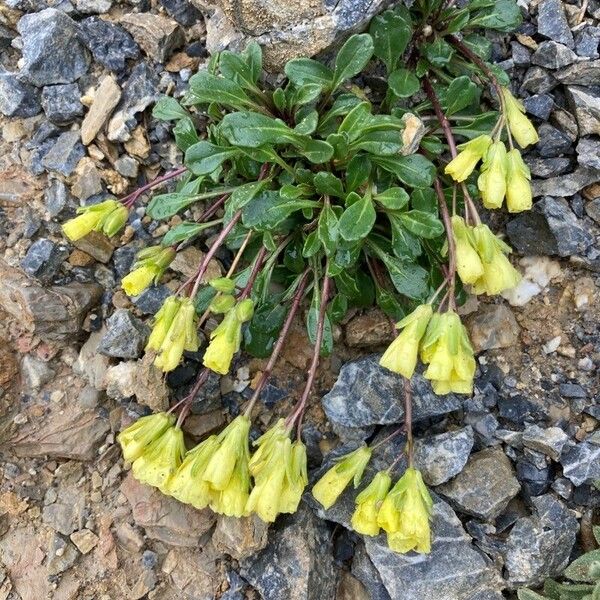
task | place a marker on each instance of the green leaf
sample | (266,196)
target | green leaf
(205,88)
(457,20)
(302,71)
(379,143)
(357,172)
(308,123)
(317,151)
(529,595)
(328,184)
(439,52)
(253,130)
(268,209)
(352,58)
(339,143)
(357,220)
(461,92)
(235,67)
(403,83)
(167,205)
(424,199)
(479,125)
(204,297)
(394,198)
(279,99)
(262,331)
(312,320)
(182,232)
(478,44)
(388,302)
(243,194)
(579,569)
(341,106)
(168,109)
(504,16)
(338,308)
(203,158)
(408,278)
(422,224)
(292,256)
(413,170)
(305,94)
(327,230)
(391,31)
(312,244)
(404,244)
(185,134)
(354,122)
(253,55)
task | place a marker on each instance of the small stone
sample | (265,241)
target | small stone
(182,11)
(549,441)
(95,244)
(441,457)
(149,559)
(538,81)
(520,55)
(127,166)
(86,180)
(146,583)
(581,464)
(553,24)
(553,142)
(587,41)
(151,299)
(109,43)
(61,555)
(572,390)
(545,167)
(97,7)
(585,103)
(588,152)
(191,571)
(52,51)
(125,336)
(56,197)
(36,372)
(129,537)
(240,538)
(552,55)
(186,262)
(85,540)
(65,153)
(539,105)
(485,486)
(372,328)
(17,99)
(106,98)
(61,103)
(158,36)
(44,259)
(565,185)
(580,73)
(493,326)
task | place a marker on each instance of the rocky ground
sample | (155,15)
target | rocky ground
(512,468)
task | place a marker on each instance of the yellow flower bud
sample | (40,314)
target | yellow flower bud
(149,266)
(140,434)
(162,322)
(296,478)
(351,466)
(401,354)
(225,341)
(223,285)
(368,502)
(187,485)
(520,126)
(91,218)
(461,166)
(518,192)
(492,180)
(222,304)
(115,221)
(244,310)
(161,459)
(405,514)
(468,263)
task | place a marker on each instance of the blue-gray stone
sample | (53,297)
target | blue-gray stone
(182,11)
(125,336)
(587,41)
(552,22)
(43,259)
(552,55)
(56,197)
(581,464)
(151,299)
(17,99)
(65,153)
(109,43)
(61,103)
(539,105)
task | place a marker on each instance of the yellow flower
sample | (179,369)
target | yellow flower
(518,191)
(468,263)
(225,340)
(520,126)
(222,303)
(161,459)
(149,266)
(162,322)
(351,466)
(104,216)
(462,165)
(401,354)
(187,485)
(499,275)
(135,438)
(223,285)
(181,335)
(405,514)
(296,478)
(232,499)
(492,180)
(368,502)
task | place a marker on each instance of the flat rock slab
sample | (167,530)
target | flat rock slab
(192,572)
(581,464)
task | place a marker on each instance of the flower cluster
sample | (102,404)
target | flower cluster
(150,264)
(109,217)
(218,472)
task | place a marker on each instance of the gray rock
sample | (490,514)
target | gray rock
(539,105)
(61,103)
(520,55)
(588,153)
(67,512)
(17,99)
(36,372)
(552,22)
(125,336)
(549,441)
(485,486)
(91,7)
(52,51)
(65,153)
(297,564)
(61,555)
(545,167)
(552,55)
(581,73)
(182,11)
(366,394)
(572,390)
(43,259)
(151,299)
(441,457)
(157,35)
(56,197)
(6,37)
(127,166)
(109,43)
(364,570)
(585,103)
(493,326)
(592,209)
(587,41)
(581,464)
(538,81)
(565,185)
(540,546)
(553,142)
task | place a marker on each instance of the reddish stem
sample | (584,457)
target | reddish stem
(258,262)
(450,236)
(130,199)
(408,421)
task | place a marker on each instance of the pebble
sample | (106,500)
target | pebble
(61,103)
(44,259)
(106,98)
(158,36)
(552,22)
(65,153)
(17,99)
(125,336)
(549,441)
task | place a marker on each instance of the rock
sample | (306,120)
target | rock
(549,441)
(539,105)
(97,245)
(109,43)
(17,99)
(454,569)
(553,142)
(297,563)
(552,22)
(163,517)
(588,153)
(441,457)
(68,512)
(565,185)
(54,314)
(539,546)
(157,36)
(86,180)
(140,90)
(493,326)
(145,583)
(240,538)
(52,51)
(182,11)
(580,73)
(572,390)
(90,364)
(36,373)
(552,55)
(369,329)
(99,7)
(364,570)
(151,299)
(533,474)
(585,103)
(485,486)
(44,259)
(587,40)
(544,167)
(192,572)
(538,81)
(56,197)
(350,588)
(581,464)
(592,209)
(366,394)
(61,555)
(127,166)
(106,98)
(85,540)
(125,336)
(61,103)
(64,155)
